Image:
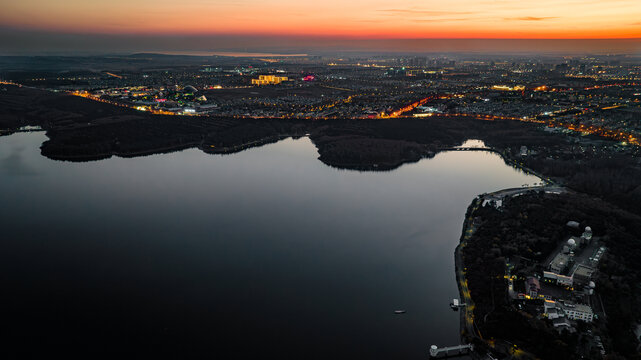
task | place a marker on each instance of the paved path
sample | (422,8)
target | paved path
(468,329)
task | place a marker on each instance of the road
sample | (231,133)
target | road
(467,312)
(469,331)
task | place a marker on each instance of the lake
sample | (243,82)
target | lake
(263,253)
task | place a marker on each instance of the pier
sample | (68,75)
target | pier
(456,304)
(437,352)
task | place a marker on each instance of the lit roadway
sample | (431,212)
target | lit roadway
(591,129)
(469,330)
(468,309)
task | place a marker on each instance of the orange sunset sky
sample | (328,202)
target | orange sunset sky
(516,19)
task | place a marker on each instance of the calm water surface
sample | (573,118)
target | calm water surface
(267,252)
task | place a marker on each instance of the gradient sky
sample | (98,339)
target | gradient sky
(551,19)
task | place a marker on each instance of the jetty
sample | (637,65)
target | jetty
(437,352)
(456,304)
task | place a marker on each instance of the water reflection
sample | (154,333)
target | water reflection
(261,253)
(472,143)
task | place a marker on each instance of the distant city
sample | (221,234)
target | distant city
(545,268)
(589,94)
(305,180)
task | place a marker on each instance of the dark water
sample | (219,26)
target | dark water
(265,253)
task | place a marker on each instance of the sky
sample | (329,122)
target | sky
(327,19)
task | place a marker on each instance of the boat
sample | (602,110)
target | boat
(398,312)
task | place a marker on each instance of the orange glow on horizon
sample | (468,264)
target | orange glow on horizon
(363,19)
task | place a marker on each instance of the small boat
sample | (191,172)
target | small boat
(398,312)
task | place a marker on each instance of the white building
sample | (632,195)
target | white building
(554,310)
(578,312)
(560,279)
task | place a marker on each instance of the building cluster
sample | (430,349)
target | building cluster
(269,80)
(583,93)
(566,284)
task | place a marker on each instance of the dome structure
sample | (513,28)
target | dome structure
(571,242)
(190,89)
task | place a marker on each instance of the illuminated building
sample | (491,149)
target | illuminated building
(269,80)
(508,88)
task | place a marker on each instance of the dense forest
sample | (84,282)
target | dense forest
(614,177)
(81,129)
(531,226)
